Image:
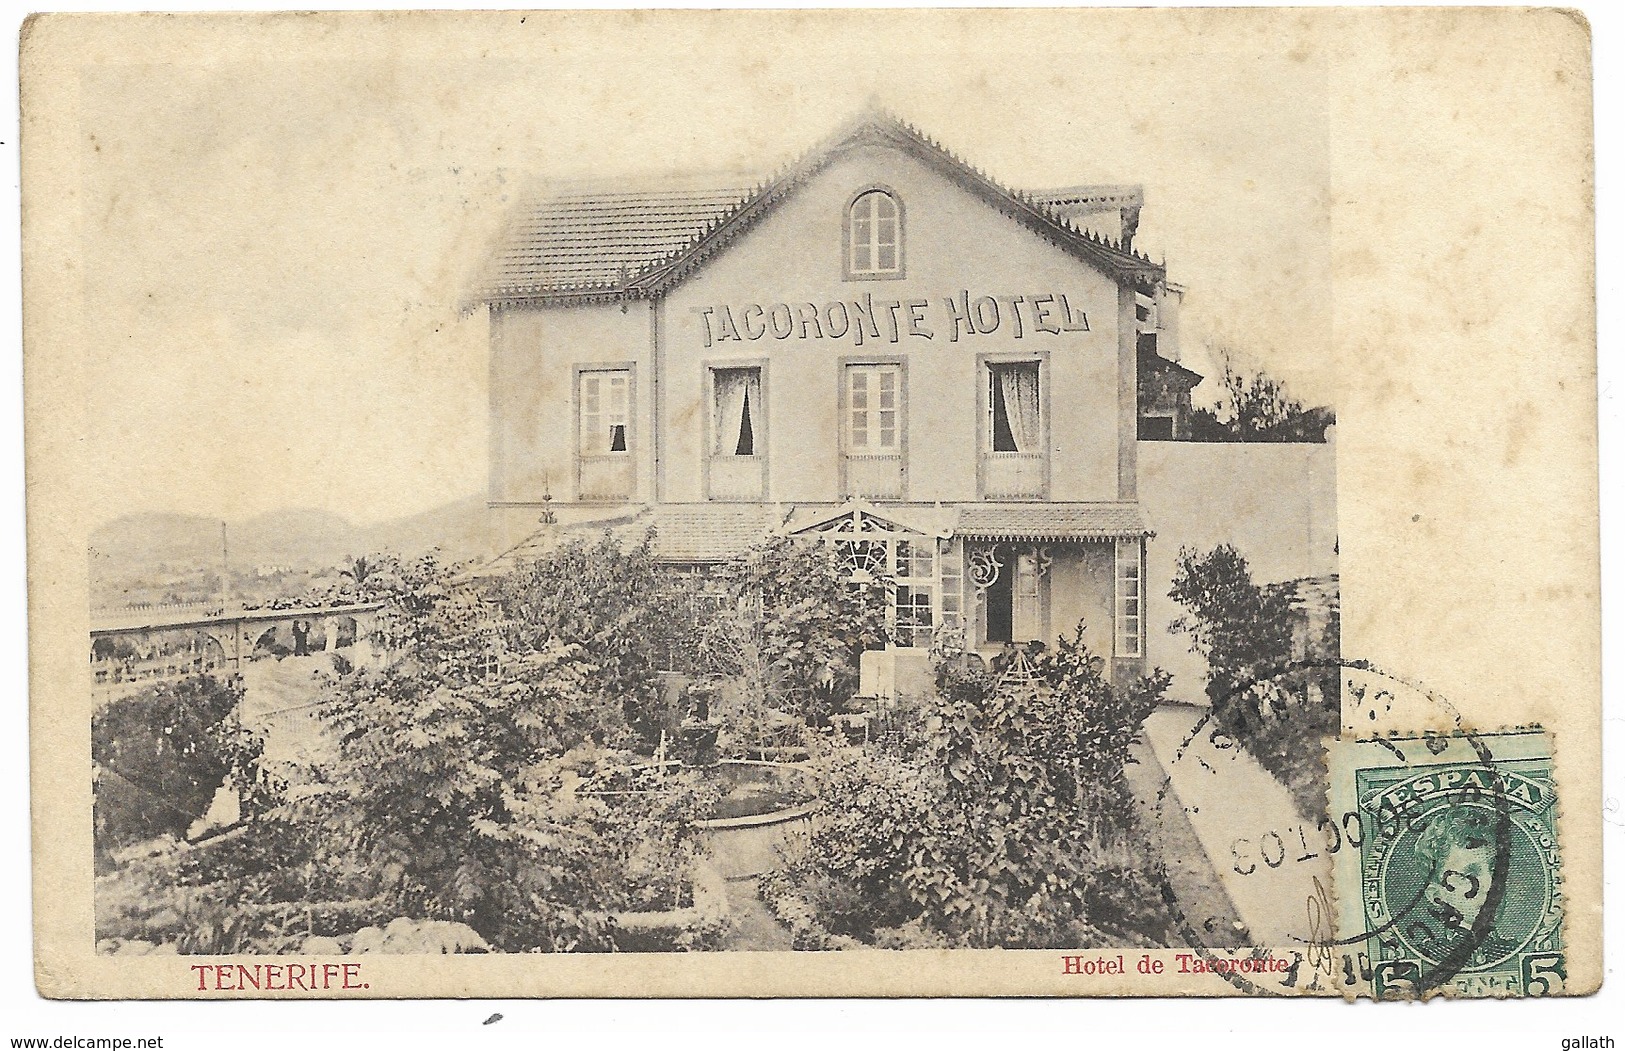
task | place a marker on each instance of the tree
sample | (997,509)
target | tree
(1256,408)
(792,627)
(1242,630)
(614,601)
(160,755)
(359,569)
(1278,708)
(456,795)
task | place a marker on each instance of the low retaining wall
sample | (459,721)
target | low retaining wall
(742,847)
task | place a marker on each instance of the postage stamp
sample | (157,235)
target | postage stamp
(1455,886)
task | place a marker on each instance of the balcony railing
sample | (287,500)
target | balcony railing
(1013,475)
(605,477)
(734,478)
(875,477)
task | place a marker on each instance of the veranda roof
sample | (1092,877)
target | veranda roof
(717,532)
(1051,521)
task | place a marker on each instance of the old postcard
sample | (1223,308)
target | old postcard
(1066,503)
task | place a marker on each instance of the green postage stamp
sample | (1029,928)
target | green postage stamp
(1456,887)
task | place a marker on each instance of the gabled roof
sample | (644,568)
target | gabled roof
(926,521)
(605,245)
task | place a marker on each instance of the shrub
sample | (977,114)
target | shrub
(1243,631)
(161,754)
(792,628)
(1000,820)
(454,795)
(614,603)
(1278,709)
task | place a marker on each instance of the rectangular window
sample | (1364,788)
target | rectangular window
(737,411)
(952,574)
(1130,597)
(874,399)
(915,575)
(1013,422)
(1145,312)
(1156,429)
(603,409)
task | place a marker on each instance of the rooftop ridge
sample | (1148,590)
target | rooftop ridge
(716,215)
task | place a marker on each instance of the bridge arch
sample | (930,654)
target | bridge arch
(121,663)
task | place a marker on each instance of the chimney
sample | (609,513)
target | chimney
(1131,224)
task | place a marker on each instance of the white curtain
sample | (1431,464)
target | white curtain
(1018,386)
(734,387)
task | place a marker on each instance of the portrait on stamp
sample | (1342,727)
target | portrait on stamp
(1459,868)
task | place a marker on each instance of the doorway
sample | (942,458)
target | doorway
(1000,599)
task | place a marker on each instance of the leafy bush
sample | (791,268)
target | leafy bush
(615,603)
(1243,631)
(161,754)
(1001,819)
(792,628)
(453,798)
(1261,696)
(454,795)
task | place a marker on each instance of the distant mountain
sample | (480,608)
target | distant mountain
(300,538)
(458,529)
(157,537)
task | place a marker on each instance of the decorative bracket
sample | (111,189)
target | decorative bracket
(982,565)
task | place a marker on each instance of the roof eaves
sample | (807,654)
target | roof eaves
(879,126)
(658,276)
(1035,214)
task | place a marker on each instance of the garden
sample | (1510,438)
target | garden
(595,752)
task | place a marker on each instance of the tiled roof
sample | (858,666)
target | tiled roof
(627,524)
(1051,521)
(593,240)
(682,532)
(610,244)
(1178,375)
(711,532)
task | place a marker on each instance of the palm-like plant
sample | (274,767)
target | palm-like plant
(358,570)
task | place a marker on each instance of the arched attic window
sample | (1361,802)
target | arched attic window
(874,235)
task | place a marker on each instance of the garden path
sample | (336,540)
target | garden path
(755,928)
(1225,793)
(1191,875)
(277,699)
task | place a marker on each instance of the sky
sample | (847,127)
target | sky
(276,250)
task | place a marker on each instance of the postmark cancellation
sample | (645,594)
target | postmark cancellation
(1456,887)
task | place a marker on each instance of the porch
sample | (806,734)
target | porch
(993,576)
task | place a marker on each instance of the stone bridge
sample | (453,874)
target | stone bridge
(159,642)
